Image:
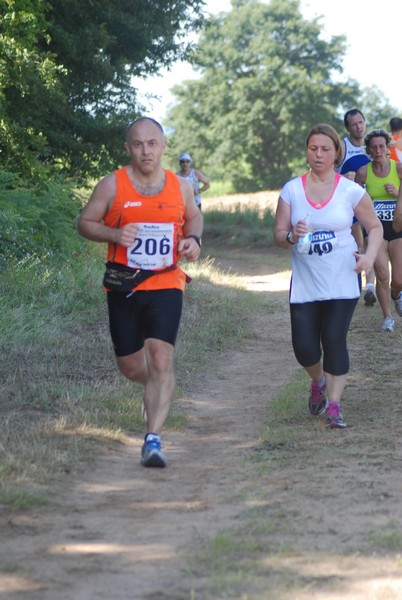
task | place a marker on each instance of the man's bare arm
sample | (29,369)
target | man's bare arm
(90,223)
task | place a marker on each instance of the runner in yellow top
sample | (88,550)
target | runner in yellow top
(382,179)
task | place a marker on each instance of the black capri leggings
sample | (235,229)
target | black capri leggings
(323,323)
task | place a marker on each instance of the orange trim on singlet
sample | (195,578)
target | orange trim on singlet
(319,204)
(129,206)
(393,153)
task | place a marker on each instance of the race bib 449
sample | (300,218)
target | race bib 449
(323,242)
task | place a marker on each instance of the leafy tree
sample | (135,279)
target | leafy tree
(66,70)
(265,78)
(376,109)
(28,80)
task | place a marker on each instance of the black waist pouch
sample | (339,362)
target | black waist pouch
(119,278)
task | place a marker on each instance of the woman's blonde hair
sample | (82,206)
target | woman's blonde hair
(329,131)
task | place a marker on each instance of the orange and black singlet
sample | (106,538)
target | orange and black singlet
(160,219)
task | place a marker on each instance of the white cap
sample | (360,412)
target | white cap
(185,156)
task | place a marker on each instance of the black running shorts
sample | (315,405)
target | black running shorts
(389,233)
(141,315)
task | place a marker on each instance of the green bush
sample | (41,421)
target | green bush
(36,219)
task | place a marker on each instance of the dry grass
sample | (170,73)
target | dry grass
(260,200)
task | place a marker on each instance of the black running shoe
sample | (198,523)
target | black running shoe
(369,298)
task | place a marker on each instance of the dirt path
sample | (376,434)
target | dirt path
(123,532)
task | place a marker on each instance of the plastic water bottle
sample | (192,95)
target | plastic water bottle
(304,243)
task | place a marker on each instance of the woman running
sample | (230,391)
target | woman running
(382,179)
(325,285)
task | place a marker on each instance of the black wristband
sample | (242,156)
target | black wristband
(195,237)
(288,236)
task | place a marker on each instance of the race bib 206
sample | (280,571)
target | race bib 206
(153,247)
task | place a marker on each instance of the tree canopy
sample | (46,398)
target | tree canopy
(65,75)
(266,77)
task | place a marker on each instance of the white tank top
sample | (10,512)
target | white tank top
(326,272)
(355,157)
(192,178)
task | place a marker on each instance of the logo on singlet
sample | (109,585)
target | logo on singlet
(130,204)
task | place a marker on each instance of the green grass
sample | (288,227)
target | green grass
(390,539)
(17,500)
(218,188)
(62,394)
(242,226)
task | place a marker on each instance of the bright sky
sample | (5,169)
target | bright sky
(373,47)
